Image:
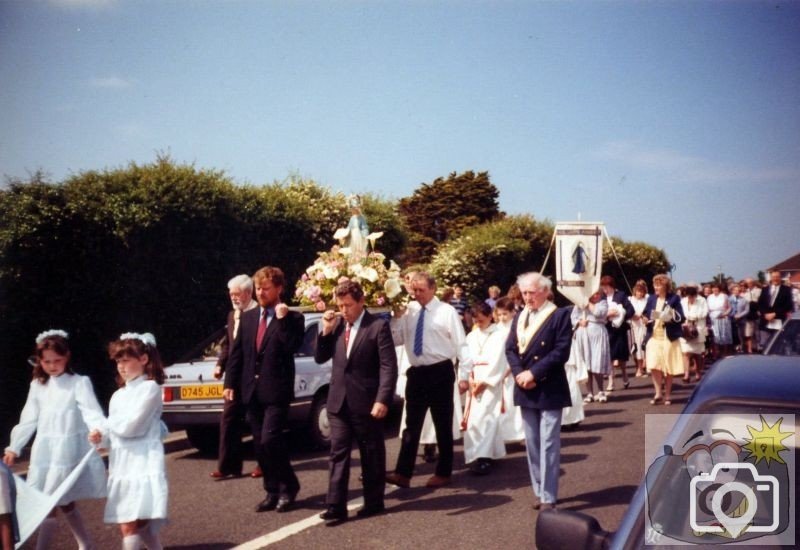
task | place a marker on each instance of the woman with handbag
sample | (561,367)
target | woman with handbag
(693,338)
(663,316)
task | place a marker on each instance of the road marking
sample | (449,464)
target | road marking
(292,529)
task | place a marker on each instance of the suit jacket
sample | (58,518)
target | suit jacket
(369,374)
(782,306)
(266,374)
(225,346)
(673,328)
(544,356)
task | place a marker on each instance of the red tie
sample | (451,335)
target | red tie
(347,338)
(262,328)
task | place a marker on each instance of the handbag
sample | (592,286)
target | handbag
(689,330)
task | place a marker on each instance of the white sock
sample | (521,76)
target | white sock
(149,535)
(46,530)
(131,542)
(76,525)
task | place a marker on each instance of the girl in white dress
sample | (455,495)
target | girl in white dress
(483,382)
(512,427)
(137,482)
(60,407)
(638,328)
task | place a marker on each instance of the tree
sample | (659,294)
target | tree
(493,253)
(439,210)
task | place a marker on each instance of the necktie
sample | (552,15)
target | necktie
(347,339)
(418,333)
(527,319)
(262,328)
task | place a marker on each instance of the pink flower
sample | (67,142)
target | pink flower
(320,306)
(343,280)
(298,292)
(381,300)
(304,278)
(320,276)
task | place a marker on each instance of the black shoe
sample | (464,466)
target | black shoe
(286,502)
(269,503)
(429,453)
(482,467)
(369,511)
(334,515)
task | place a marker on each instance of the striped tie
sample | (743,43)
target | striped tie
(418,333)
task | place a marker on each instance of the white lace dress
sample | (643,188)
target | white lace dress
(137,481)
(59,412)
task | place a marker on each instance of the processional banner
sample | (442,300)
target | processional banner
(579,259)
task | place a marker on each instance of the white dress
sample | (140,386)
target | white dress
(638,328)
(576,373)
(137,481)
(483,437)
(512,427)
(59,412)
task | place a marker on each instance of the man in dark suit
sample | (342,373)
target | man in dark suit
(774,306)
(362,388)
(261,368)
(229,459)
(537,347)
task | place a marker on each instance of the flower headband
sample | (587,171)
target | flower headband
(146,338)
(53,332)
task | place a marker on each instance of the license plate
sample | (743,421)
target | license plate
(206,391)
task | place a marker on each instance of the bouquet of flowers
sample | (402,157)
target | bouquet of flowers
(381,284)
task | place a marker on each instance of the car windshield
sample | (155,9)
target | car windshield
(787,341)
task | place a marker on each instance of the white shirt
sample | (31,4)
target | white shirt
(443,335)
(353,331)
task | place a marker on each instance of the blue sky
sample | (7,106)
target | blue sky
(675,123)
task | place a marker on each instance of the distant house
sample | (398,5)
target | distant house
(790,269)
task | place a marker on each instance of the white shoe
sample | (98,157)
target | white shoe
(601,397)
(588,399)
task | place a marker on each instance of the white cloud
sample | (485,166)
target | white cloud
(114,82)
(675,166)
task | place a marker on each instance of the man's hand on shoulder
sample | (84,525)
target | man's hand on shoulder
(281,311)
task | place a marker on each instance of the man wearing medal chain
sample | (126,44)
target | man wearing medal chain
(537,348)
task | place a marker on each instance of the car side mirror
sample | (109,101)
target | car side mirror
(558,529)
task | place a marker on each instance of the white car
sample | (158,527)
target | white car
(193,398)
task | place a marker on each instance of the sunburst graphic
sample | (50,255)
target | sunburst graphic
(766,443)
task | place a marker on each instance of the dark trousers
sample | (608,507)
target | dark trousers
(428,387)
(268,424)
(347,426)
(230,459)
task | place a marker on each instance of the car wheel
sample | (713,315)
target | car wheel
(204,438)
(319,426)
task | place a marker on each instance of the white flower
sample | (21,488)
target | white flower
(357,269)
(393,266)
(372,237)
(331,272)
(369,274)
(345,251)
(392,288)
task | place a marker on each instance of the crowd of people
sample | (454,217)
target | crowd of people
(508,369)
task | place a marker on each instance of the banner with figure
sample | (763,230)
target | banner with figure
(33,506)
(579,259)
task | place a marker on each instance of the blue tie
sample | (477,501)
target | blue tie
(418,333)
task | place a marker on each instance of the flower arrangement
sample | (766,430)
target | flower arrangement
(381,284)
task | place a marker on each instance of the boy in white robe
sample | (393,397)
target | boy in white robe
(483,383)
